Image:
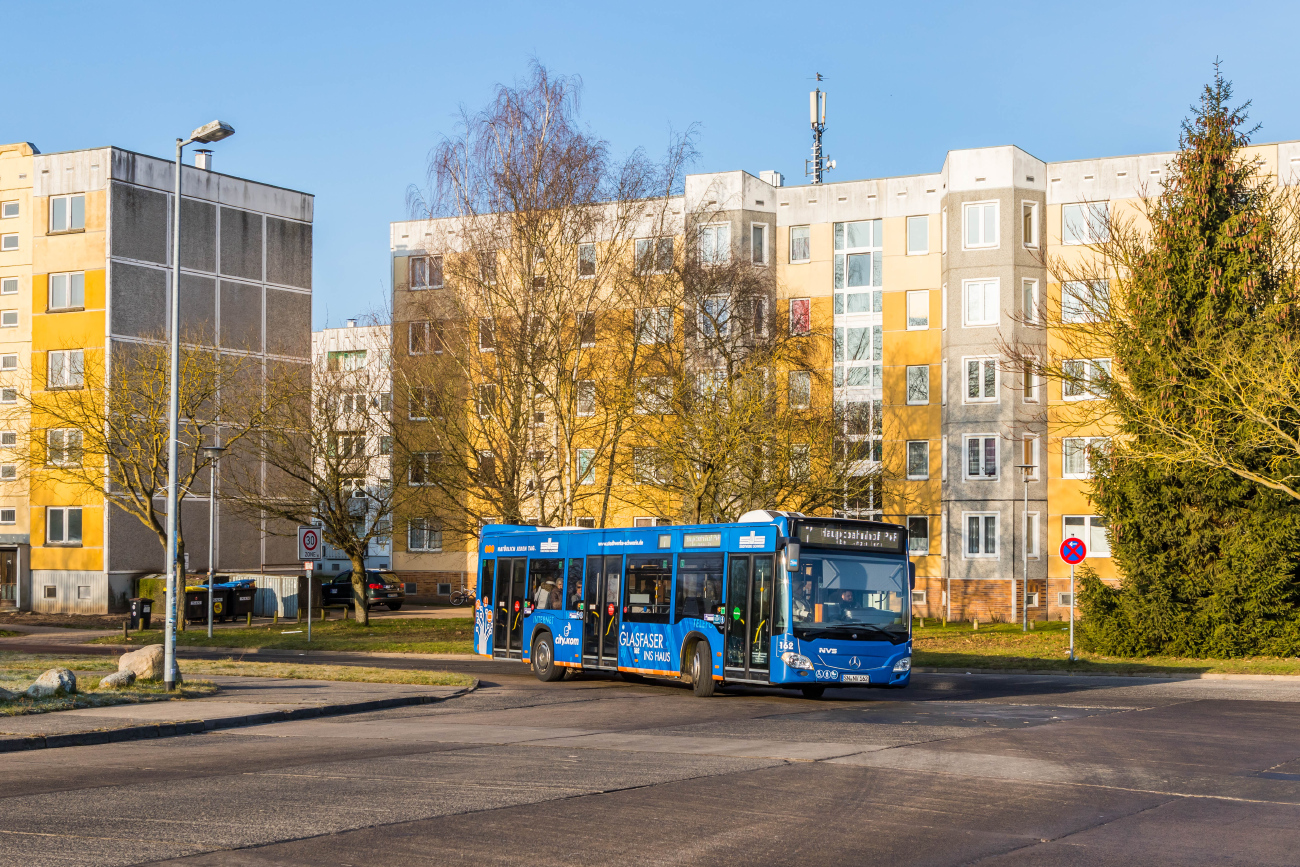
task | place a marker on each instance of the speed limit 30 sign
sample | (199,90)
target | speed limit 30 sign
(309,544)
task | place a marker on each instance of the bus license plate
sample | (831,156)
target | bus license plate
(855,678)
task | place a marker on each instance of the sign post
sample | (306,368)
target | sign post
(309,551)
(1073,551)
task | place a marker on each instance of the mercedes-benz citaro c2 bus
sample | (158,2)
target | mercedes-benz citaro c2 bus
(776,599)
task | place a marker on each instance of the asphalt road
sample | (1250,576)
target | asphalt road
(989,769)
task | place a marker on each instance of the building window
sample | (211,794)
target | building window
(800,389)
(487,399)
(859,266)
(51,591)
(67,213)
(8,472)
(8,242)
(487,338)
(1084,378)
(981,222)
(1085,301)
(1029,223)
(1029,307)
(800,461)
(918,459)
(981,535)
(385,445)
(8,210)
(980,302)
(1031,536)
(981,380)
(1029,455)
(589,523)
(981,456)
(65,368)
(1085,223)
(715,316)
(1030,382)
(586,329)
(9,286)
(8,395)
(63,447)
(420,405)
(418,337)
(918,236)
(1076,455)
(8,516)
(586,397)
(1092,529)
(858,354)
(423,534)
(345,361)
(918,384)
(943,231)
(758,243)
(421,470)
(586,460)
(1065,600)
(67,291)
(918,309)
(9,319)
(8,439)
(800,316)
(800,245)
(63,525)
(645,522)
(653,325)
(715,244)
(654,255)
(918,536)
(654,395)
(648,467)
(426,272)
(586,260)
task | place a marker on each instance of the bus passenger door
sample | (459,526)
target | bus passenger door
(762,592)
(750,587)
(600,611)
(508,607)
(737,614)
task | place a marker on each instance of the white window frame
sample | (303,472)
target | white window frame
(805,389)
(988,288)
(908,523)
(943,382)
(8,439)
(982,517)
(981,209)
(907,384)
(943,231)
(69,282)
(423,525)
(715,315)
(943,458)
(7,212)
(1078,295)
(8,318)
(920,447)
(1030,302)
(1030,238)
(758,254)
(923,221)
(808,303)
(582,250)
(1089,377)
(1030,524)
(654,325)
(721,254)
(71,365)
(587,474)
(921,296)
(67,541)
(66,437)
(800,461)
(586,388)
(653,395)
(807,229)
(1095,218)
(414,328)
(8,516)
(982,439)
(1064,600)
(424,460)
(8,242)
(8,472)
(654,251)
(1031,453)
(1085,446)
(431,263)
(1090,528)
(984,362)
(67,211)
(8,285)
(1031,384)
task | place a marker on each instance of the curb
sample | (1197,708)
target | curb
(1166,675)
(115,649)
(199,726)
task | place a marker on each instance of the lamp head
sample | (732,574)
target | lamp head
(213,452)
(210,132)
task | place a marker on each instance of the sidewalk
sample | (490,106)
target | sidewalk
(242,701)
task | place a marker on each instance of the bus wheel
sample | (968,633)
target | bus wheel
(544,659)
(702,670)
(812,691)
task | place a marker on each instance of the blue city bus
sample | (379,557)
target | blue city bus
(777,599)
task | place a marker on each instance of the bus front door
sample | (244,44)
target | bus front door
(508,607)
(600,611)
(750,588)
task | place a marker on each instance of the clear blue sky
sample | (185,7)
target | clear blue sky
(345,100)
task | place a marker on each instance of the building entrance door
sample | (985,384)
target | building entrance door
(8,577)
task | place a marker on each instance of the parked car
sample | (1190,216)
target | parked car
(382,588)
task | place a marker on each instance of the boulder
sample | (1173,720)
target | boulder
(146,663)
(6,695)
(120,680)
(56,681)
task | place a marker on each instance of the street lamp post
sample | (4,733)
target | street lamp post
(1025,470)
(213,454)
(208,133)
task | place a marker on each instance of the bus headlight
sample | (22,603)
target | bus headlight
(903,666)
(796,660)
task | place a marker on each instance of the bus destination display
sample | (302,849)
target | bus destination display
(849,536)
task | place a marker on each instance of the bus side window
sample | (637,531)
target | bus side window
(485,584)
(699,585)
(544,580)
(573,589)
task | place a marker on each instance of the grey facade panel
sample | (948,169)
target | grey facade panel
(288,253)
(239,543)
(241,244)
(139,301)
(198,308)
(241,317)
(140,223)
(288,323)
(198,236)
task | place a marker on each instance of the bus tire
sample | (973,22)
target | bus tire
(813,691)
(544,659)
(702,670)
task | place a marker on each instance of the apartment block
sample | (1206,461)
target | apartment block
(85,258)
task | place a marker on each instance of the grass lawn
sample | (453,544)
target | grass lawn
(387,635)
(1003,646)
(8,633)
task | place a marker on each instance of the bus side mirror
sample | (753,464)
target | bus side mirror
(792,557)
(911,575)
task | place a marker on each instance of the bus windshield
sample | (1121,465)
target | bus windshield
(850,596)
